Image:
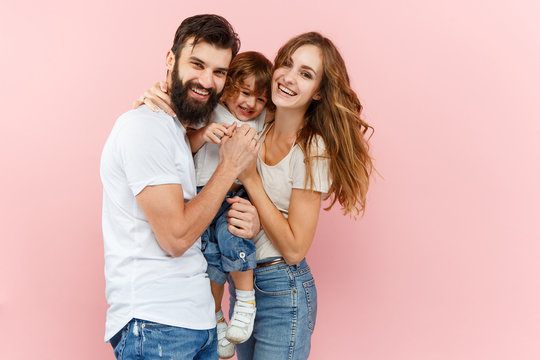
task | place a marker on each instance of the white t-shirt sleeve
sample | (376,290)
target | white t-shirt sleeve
(319,168)
(147,154)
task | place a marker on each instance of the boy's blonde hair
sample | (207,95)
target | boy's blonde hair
(246,64)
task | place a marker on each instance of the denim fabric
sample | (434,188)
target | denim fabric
(286,301)
(223,251)
(144,340)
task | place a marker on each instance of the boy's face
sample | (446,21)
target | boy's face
(246,105)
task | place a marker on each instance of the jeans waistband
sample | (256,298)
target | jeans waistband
(301,268)
(270,262)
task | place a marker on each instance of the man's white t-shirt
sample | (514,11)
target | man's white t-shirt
(142,280)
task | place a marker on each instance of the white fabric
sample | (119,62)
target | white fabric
(279,180)
(207,158)
(143,281)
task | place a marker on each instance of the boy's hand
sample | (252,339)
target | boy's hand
(213,133)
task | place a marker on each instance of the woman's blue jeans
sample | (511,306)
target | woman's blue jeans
(286,301)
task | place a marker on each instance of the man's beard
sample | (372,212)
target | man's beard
(189,110)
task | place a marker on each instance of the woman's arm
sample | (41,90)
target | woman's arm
(155,98)
(292,237)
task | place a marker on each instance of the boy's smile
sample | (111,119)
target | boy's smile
(246,105)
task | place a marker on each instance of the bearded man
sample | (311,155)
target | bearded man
(156,282)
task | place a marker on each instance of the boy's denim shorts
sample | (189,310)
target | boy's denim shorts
(224,251)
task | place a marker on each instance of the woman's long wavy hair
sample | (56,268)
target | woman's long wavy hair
(336,118)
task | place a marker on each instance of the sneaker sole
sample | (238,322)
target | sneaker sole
(237,341)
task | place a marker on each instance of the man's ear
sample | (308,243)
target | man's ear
(317,96)
(170,60)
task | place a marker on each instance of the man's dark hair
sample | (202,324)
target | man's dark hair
(213,29)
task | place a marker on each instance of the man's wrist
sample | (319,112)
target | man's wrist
(226,171)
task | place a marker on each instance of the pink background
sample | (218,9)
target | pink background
(443,266)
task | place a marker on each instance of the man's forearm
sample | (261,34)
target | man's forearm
(177,225)
(199,212)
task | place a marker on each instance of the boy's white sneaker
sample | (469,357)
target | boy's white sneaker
(241,324)
(225,349)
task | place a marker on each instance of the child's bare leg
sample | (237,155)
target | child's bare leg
(217,293)
(225,348)
(243,280)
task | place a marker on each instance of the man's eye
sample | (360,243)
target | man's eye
(221,73)
(197,65)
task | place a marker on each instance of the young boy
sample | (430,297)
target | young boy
(244,99)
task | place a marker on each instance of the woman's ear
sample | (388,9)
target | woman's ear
(317,96)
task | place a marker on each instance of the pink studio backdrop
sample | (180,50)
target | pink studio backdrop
(444,264)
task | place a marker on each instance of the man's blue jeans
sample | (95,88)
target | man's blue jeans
(141,339)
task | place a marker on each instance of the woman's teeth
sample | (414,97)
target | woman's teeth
(286,90)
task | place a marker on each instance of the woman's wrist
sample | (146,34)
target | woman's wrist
(252,180)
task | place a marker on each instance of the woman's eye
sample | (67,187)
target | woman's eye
(263,100)
(287,63)
(245,93)
(306,75)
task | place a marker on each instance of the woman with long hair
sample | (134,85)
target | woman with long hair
(315,147)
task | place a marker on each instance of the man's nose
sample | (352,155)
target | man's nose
(207,79)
